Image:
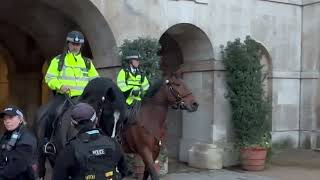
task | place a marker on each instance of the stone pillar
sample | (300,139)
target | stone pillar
(197,126)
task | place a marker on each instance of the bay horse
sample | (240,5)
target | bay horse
(143,133)
(103,95)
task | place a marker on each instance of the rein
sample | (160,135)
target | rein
(176,94)
(100,107)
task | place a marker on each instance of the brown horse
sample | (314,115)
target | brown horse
(144,133)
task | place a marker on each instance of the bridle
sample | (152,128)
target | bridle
(100,106)
(178,97)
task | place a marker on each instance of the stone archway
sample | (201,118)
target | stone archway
(186,46)
(266,61)
(4,83)
(6,67)
(38,34)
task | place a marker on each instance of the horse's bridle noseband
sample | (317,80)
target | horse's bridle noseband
(178,98)
(100,107)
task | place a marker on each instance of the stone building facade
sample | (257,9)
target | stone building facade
(191,33)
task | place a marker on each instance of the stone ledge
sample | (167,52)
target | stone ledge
(217,65)
(195,1)
(285,75)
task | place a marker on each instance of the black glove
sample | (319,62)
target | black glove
(135,92)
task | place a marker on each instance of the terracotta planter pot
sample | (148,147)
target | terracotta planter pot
(253,159)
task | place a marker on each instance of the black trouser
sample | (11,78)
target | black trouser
(57,100)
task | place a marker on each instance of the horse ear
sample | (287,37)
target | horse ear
(110,95)
(178,73)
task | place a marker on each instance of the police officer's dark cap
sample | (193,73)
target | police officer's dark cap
(132,54)
(75,37)
(83,112)
(11,111)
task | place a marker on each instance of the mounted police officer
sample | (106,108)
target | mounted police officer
(68,74)
(18,147)
(90,155)
(131,80)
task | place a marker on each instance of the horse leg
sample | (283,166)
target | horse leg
(146,173)
(147,158)
(41,167)
(40,133)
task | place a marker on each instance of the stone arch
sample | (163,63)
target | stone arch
(45,91)
(6,67)
(38,34)
(266,61)
(187,46)
(93,24)
(4,82)
(184,43)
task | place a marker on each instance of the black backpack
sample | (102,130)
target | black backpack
(95,157)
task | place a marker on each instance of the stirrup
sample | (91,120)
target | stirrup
(50,149)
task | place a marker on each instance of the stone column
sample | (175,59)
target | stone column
(197,126)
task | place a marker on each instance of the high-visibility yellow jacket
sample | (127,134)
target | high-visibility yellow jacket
(127,82)
(74,74)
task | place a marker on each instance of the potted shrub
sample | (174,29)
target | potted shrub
(249,104)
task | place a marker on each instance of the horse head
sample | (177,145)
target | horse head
(179,95)
(104,95)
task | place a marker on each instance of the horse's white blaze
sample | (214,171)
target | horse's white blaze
(116,116)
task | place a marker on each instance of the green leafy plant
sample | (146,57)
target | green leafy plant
(250,107)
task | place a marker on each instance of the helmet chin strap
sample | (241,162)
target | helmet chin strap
(74,53)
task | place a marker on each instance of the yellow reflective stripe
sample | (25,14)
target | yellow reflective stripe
(121,83)
(49,77)
(72,78)
(93,77)
(145,87)
(79,88)
(80,67)
(134,83)
(64,72)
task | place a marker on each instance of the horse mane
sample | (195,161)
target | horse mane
(97,88)
(152,91)
(154,88)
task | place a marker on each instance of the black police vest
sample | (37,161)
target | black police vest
(94,156)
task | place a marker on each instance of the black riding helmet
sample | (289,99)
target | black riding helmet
(75,37)
(132,54)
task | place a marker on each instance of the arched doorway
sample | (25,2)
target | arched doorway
(38,34)
(186,46)
(266,61)
(45,91)
(4,83)
(6,67)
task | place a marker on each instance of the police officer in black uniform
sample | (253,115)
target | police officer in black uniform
(90,155)
(17,147)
